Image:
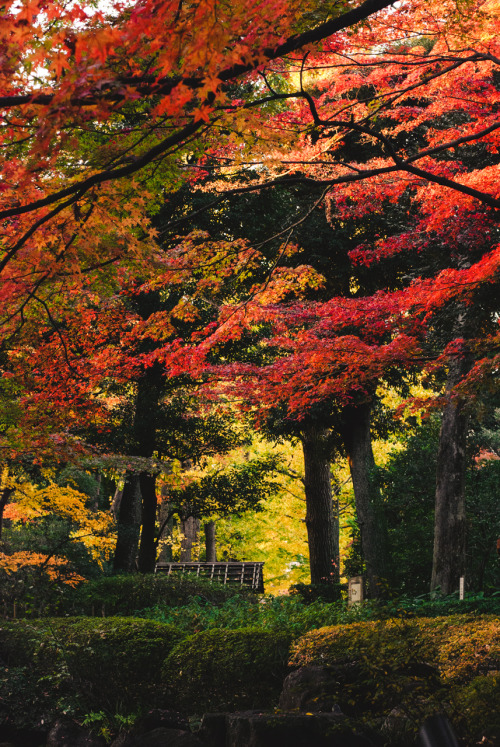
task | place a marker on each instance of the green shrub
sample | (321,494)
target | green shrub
(477,710)
(377,663)
(25,702)
(227,670)
(129,594)
(418,666)
(93,663)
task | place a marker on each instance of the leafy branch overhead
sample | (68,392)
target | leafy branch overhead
(232,490)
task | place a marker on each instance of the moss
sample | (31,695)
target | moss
(227,670)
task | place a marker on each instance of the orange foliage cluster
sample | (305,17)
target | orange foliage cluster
(99,108)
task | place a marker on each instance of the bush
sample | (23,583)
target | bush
(91,663)
(25,703)
(417,666)
(129,594)
(477,710)
(227,670)
(377,663)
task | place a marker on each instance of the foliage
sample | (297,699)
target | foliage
(88,664)
(276,535)
(25,701)
(408,485)
(419,666)
(125,595)
(231,489)
(217,670)
(296,615)
(53,530)
(476,709)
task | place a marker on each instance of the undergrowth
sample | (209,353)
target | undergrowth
(295,616)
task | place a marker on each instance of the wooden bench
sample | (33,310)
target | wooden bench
(244,574)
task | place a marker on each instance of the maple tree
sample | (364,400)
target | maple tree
(323,361)
(33,510)
(103,114)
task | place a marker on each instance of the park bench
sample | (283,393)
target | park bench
(244,574)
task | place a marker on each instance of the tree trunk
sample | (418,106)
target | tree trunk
(449,519)
(147,550)
(189,528)
(369,509)
(149,390)
(166,520)
(4,499)
(115,503)
(321,523)
(210,546)
(129,523)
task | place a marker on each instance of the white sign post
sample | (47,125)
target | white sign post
(355,590)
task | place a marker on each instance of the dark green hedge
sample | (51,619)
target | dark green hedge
(129,594)
(227,670)
(92,663)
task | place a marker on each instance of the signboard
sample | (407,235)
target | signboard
(355,590)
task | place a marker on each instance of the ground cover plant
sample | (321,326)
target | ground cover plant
(234,653)
(396,672)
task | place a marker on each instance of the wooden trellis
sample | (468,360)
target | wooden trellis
(244,574)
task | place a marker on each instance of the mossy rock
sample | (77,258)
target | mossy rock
(227,670)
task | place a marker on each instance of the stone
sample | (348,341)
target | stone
(257,729)
(160,737)
(212,729)
(316,689)
(65,733)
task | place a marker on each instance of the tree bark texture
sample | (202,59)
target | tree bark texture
(149,390)
(210,545)
(129,523)
(5,494)
(357,438)
(190,528)
(321,523)
(147,549)
(450,518)
(166,529)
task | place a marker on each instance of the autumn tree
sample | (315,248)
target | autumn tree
(142,97)
(391,87)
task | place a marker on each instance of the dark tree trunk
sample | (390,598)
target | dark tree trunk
(210,546)
(129,523)
(144,432)
(369,509)
(166,527)
(321,523)
(4,499)
(115,503)
(449,518)
(147,550)
(189,528)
